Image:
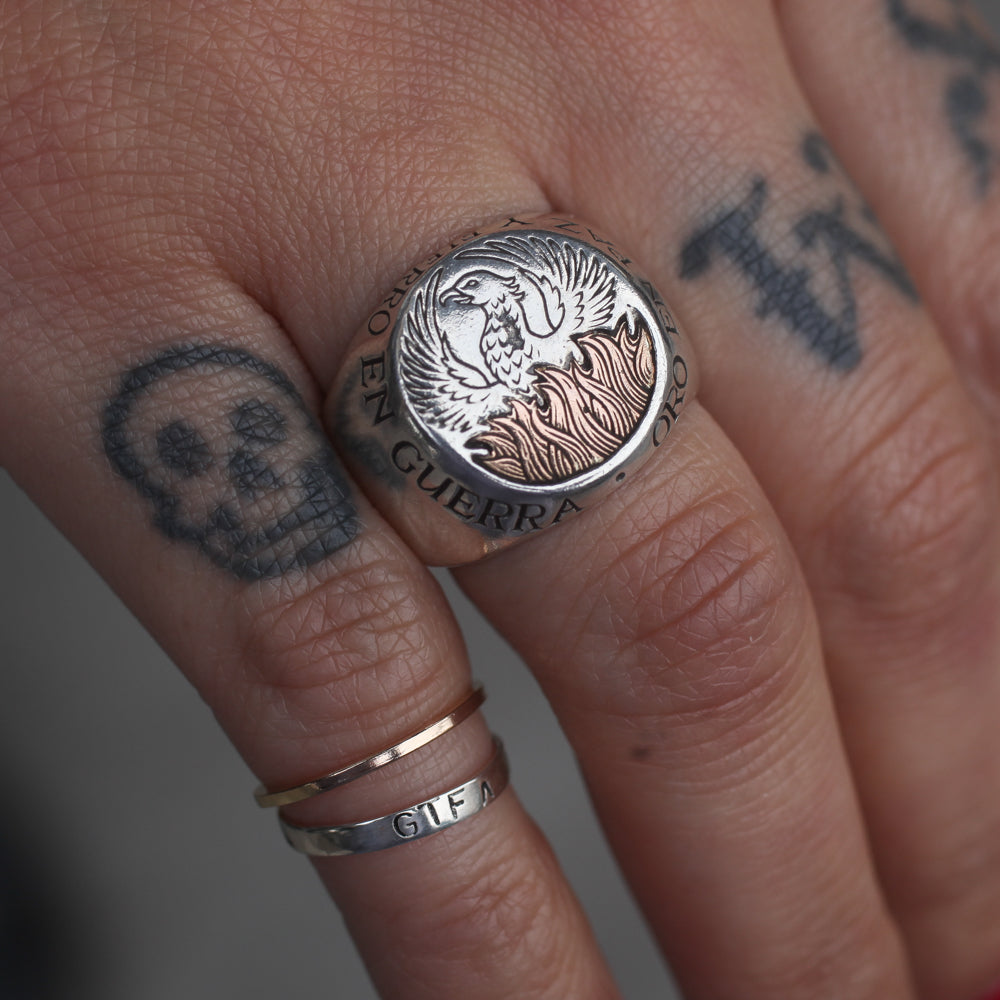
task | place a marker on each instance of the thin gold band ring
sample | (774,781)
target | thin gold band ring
(414,741)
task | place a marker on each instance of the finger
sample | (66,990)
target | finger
(882,477)
(935,69)
(305,624)
(936,74)
(835,386)
(311,631)
(838,936)
(636,618)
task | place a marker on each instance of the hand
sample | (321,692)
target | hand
(774,650)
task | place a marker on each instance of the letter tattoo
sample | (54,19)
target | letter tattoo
(222,447)
(842,231)
(973,57)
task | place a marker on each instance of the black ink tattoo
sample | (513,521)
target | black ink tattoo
(787,290)
(975,56)
(222,446)
(183,449)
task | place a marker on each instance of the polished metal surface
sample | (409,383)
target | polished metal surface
(506,385)
(406,746)
(412,823)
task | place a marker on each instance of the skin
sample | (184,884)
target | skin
(775,650)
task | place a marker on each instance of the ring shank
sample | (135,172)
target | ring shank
(412,823)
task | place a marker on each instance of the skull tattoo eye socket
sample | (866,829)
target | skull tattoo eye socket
(258,422)
(183,449)
(221,445)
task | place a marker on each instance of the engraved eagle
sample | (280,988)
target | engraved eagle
(536,294)
(445,390)
(576,292)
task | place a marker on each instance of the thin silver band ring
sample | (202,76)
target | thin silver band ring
(412,823)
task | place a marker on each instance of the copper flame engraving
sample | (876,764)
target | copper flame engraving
(579,416)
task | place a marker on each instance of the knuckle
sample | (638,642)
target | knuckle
(711,615)
(359,644)
(912,517)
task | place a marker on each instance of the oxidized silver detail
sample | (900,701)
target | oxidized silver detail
(412,823)
(506,385)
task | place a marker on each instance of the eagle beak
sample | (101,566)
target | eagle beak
(453,295)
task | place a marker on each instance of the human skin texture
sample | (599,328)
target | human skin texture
(775,650)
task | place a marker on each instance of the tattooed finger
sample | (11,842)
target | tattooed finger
(842,230)
(222,447)
(973,59)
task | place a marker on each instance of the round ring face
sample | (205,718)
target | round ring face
(506,385)
(529,356)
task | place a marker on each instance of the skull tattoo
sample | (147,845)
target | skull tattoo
(221,445)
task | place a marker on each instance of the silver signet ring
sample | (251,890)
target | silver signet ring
(506,385)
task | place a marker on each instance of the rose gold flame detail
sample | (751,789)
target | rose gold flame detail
(584,415)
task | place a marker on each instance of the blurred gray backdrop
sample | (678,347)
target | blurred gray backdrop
(137,866)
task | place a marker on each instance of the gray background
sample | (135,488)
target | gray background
(131,848)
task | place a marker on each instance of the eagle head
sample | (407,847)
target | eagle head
(481,288)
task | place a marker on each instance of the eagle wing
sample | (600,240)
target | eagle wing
(445,390)
(576,287)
